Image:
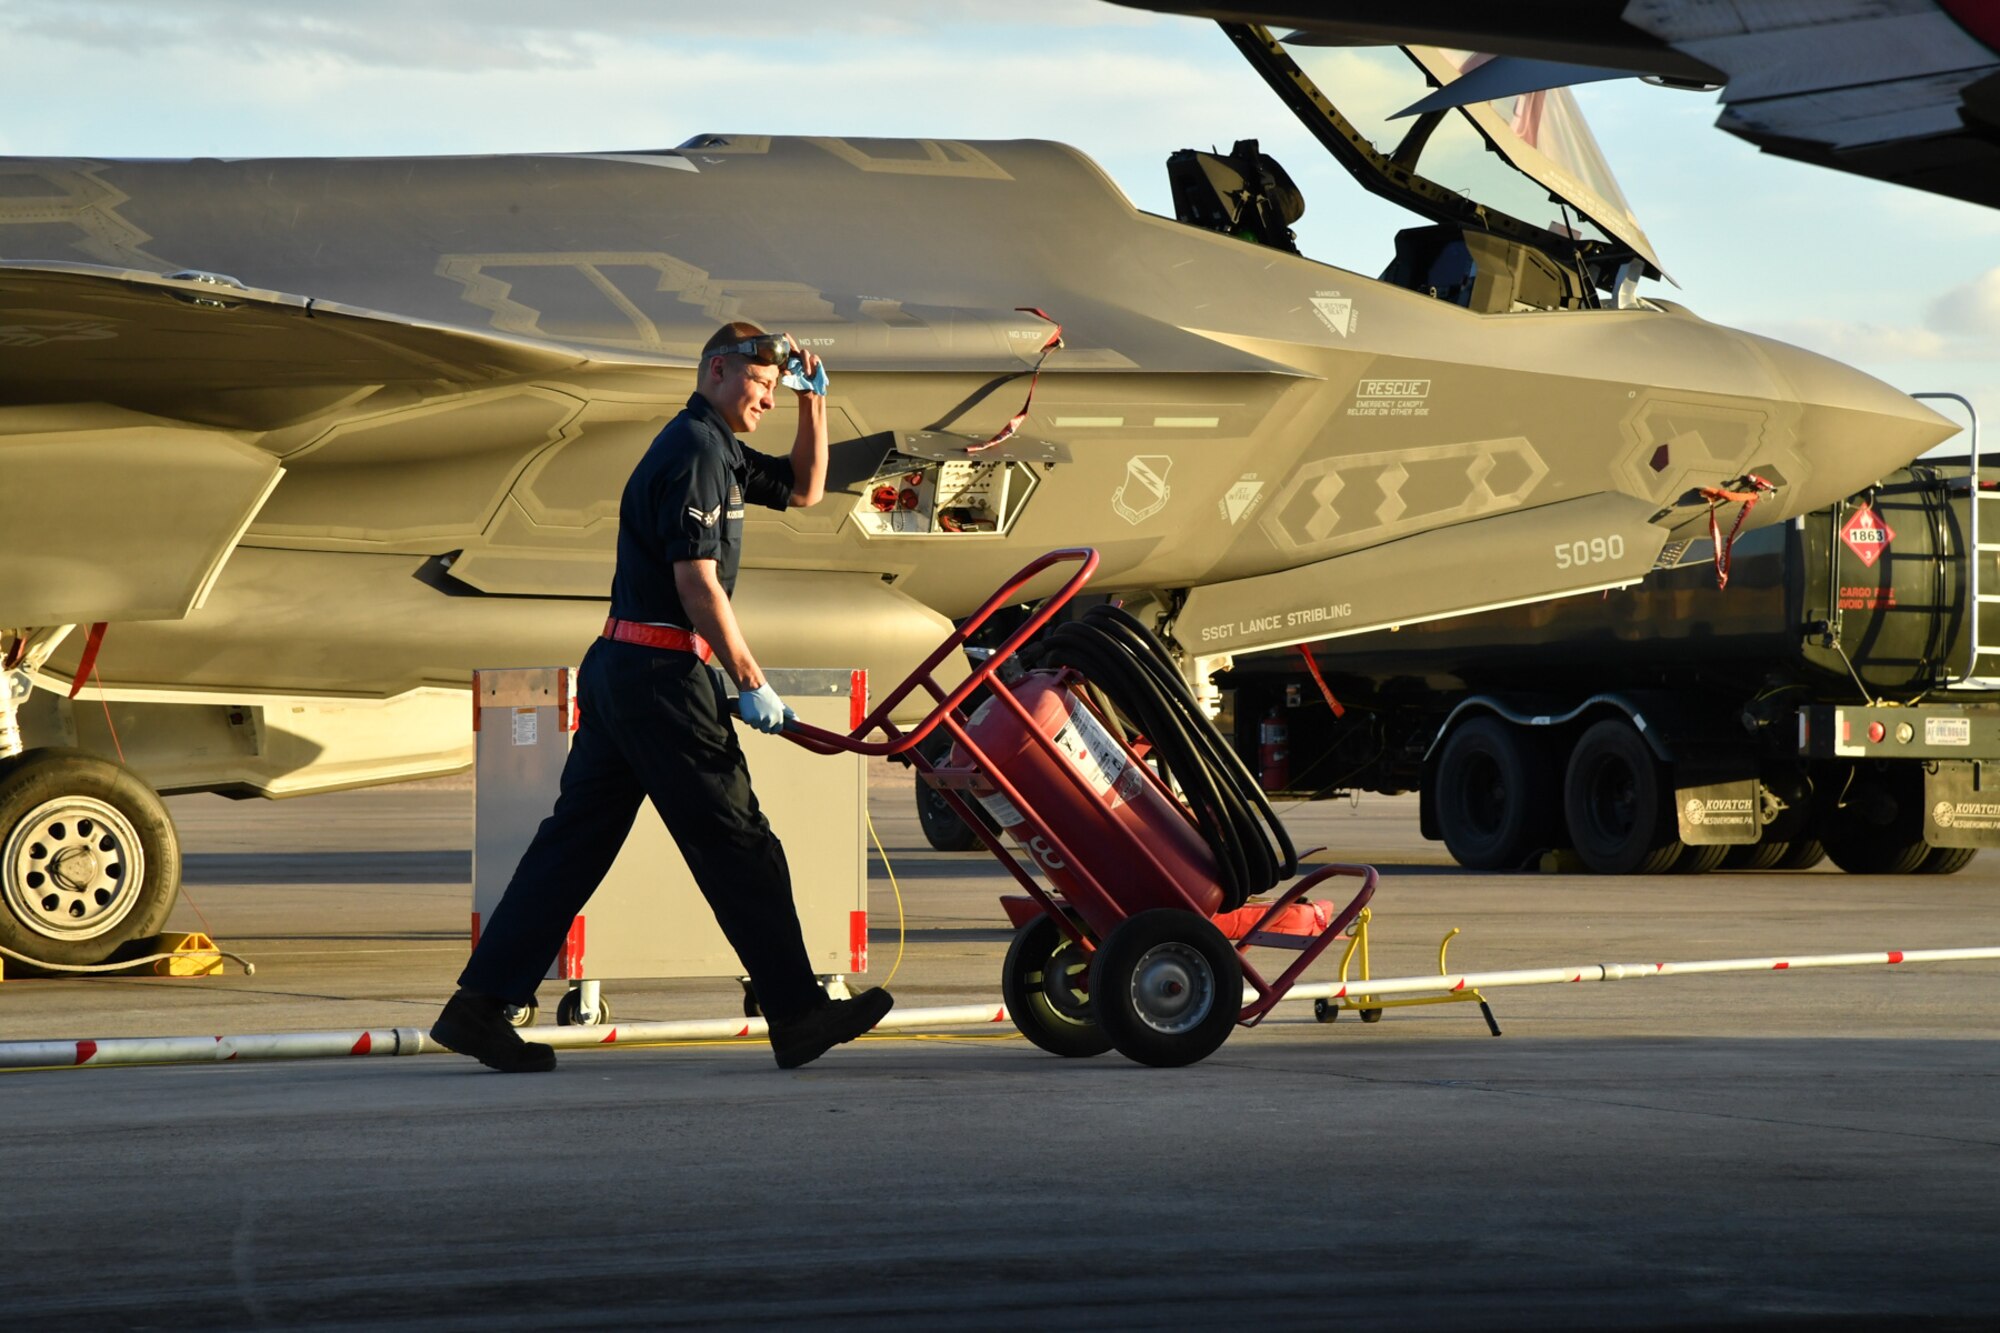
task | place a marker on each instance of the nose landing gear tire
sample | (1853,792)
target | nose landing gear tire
(1046,983)
(1167,987)
(89,860)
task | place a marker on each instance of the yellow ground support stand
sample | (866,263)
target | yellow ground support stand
(1371,1007)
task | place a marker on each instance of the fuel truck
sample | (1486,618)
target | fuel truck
(1824,688)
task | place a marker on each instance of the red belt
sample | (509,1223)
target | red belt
(658,636)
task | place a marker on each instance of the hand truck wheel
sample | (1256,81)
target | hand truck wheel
(1166,987)
(520,1015)
(1046,983)
(1326,1011)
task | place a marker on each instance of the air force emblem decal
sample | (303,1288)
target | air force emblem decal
(1144,492)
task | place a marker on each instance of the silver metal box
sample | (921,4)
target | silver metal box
(647,919)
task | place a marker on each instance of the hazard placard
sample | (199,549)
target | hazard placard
(1866,534)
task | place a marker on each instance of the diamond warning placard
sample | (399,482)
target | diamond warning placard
(1866,534)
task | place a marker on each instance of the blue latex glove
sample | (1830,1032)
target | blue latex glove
(763,709)
(795,376)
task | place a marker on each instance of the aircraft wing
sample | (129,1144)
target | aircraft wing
(190,347)
(1905,91)
(125,503)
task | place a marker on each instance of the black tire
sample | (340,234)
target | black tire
(1618,803)
(1947,860)
(1755,855)
(1166,987)
(1803,854)
(943,829)
(1878,826)
(1697,859)
(1046,983)
(1496,791)
(89,859)
(569,1010)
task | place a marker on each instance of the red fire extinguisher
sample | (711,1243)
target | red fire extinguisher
(1274,755)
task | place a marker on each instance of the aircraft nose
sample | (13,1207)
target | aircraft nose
(1853,429)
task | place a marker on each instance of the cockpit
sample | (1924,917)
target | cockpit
(1524,211)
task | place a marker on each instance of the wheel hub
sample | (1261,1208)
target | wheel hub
(1173,988)
(1066,982)
(72,868)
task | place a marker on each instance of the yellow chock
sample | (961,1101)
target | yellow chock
(193,953)
(1560,861)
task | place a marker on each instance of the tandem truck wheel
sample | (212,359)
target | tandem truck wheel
(1619,803)
(1494,786)
(89,860)
(1046,984)
(1167,987)
(1876,826)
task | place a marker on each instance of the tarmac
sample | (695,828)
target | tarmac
(1770,1150)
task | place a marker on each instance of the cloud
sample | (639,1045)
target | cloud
(1971,309)
(517,35)
(1960,325)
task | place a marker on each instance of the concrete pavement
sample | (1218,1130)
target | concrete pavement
(1750,1151)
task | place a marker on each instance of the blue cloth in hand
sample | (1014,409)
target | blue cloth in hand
(795,376)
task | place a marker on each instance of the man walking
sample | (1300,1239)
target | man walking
(655,724)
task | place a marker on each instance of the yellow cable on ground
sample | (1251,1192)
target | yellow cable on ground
(894,888)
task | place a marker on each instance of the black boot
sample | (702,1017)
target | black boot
(474,1024)
(806,1038)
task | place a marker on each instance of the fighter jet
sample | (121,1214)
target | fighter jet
(289,447)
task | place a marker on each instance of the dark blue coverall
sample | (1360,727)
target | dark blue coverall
(656,724)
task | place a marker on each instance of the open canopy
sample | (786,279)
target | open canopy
(1522,164)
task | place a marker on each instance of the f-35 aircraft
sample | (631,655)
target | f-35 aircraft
(289,447)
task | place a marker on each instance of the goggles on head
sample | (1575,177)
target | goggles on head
(766,349)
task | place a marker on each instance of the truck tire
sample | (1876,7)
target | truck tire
(1618,803)
(1859,854)
(1699,860)
(1495,788)
(1803,854)
(1878,826)
(89,860)
(1947,860)
(1755,855)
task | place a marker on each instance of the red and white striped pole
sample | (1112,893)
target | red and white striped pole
(71,1052)
(1557,976)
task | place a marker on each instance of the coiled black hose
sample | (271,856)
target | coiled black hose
(1130,669)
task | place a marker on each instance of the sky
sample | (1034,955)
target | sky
(1902,284)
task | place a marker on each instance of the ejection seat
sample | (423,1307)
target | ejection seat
(1244,194)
